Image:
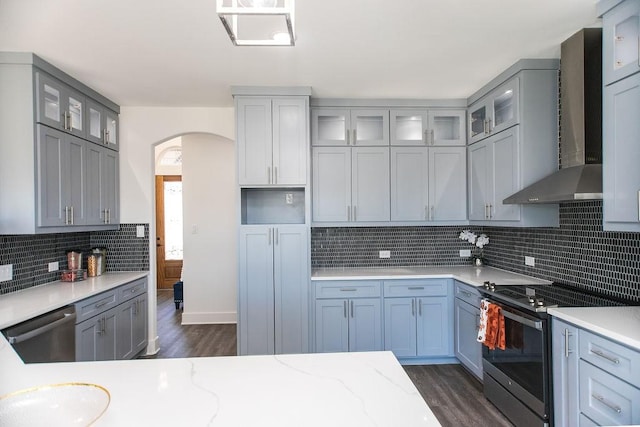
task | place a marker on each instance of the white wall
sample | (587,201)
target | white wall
(210,236)
(141,128)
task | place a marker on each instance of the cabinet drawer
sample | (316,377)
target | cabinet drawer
(467,293)
(133,289)
(95,305)
(606,399)
(348,289)
(419,288)
(614,358)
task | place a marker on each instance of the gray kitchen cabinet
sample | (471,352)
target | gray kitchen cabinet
(428,184)
(349,127)
(351,184)
(60,106)
(112,325)
(621,151)
(596,380)
(427,127)
(513,136)
(102,125)
(494,174)
(466,322)
(272,140)
(43,150)
(102,186)
(96,337)
(621,41)
(565,357)
(348,316)
(495,112)
(60,178)
(273,289)
(418,319)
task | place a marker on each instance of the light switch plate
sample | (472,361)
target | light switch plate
(530,261)
(465,253)
(54,266)
(140,231)
(6,272)
(384,254)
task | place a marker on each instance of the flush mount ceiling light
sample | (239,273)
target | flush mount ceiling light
(258,22)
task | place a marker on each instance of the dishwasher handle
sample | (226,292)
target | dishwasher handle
(66,317)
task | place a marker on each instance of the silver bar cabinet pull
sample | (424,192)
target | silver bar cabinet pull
(433,138)
(72,219)
(611,406)
(566,343)
(354,213)
(420,307)
(355,139)
(425,139)
(344,308)
(275,235)
(268,175)
(348,289)
(413,307)
(416,288)
(275,174)
(351,308)
(606,356)
(269,237)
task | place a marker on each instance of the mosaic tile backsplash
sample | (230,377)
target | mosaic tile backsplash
(31,254)
(578,253)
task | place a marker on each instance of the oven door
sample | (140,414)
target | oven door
(519,374)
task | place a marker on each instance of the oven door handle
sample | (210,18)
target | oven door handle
(537,324)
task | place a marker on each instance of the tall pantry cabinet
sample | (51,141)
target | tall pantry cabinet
(272,132)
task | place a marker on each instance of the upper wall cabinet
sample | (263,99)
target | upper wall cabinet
(344,126)
(621,38)
(102,125)
(272,137)
(422,127)
(47,178)
(513,137)
(620,125)
(495,112)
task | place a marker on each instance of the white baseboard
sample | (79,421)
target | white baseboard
(209,318)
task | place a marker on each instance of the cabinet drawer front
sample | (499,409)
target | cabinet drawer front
(424,287)
(606,399)
(348,289)
(95,305)
(614,358)
(131,290)
(467,293)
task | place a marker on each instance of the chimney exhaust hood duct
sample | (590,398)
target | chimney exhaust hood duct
(580,176)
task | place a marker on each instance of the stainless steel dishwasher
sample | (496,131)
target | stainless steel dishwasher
(46,338)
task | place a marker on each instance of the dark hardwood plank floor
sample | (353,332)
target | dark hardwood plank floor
(454,396)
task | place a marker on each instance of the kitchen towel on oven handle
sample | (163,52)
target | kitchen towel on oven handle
(491,331)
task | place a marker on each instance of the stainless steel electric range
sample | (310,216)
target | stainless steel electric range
(517,380)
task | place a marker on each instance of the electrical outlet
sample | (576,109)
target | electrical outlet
(6,272)
(288,197)
(530,261)
(465,253)
(384,254)
(139,230)
(54,266)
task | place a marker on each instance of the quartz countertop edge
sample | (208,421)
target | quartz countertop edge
(621,324)
(474,276)
(363,388)
(23,305)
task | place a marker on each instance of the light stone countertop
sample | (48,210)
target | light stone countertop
(330,389)
(621,324)
(19,306)
(474,276)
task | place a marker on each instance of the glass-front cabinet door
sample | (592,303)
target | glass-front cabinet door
(408,127)
(621,41)
(504,106)
(478,120)
(74,104)
(330,127)
(447,127)
(111,129)
(369,127)
(95,122)
(50,109)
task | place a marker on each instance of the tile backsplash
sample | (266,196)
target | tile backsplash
(578,253)
(31,254)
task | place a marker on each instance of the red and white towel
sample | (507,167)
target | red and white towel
(491,331)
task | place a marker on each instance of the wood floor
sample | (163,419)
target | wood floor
(454,396)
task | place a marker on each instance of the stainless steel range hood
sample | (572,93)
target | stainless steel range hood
(580,176)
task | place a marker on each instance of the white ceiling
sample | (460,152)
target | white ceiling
(177,53)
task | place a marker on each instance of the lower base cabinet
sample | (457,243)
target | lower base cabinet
(418,318)
(348,316)
(596,381)
(466,320)
(113,325)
